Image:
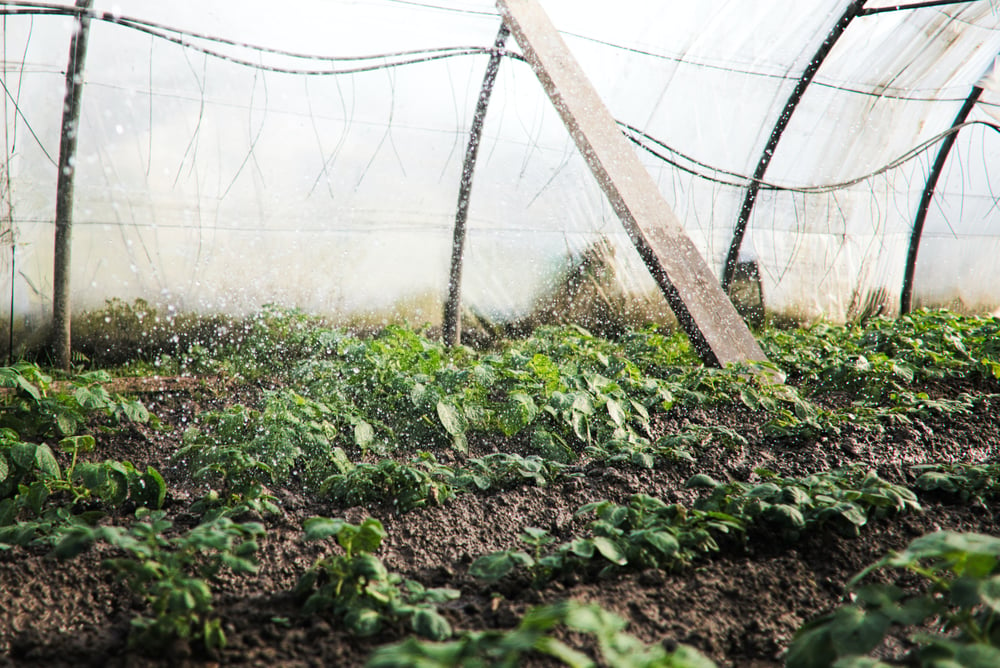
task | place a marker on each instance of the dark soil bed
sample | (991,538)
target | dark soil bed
(740,606)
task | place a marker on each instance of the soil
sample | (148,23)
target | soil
(740,606)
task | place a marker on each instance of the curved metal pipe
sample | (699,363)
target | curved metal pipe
(906,295)
(452,322)
(853,10)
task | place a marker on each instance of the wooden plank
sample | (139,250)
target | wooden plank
(716,330)
(62,243)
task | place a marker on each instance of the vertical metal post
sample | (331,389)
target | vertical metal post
(779,128)
(452,322)
(61,337)
(906,296)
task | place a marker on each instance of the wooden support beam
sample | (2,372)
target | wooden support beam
(704,311)
(61,308)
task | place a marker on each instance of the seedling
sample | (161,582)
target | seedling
(357,590)
(172,575)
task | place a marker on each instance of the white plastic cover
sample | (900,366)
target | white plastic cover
(211,182)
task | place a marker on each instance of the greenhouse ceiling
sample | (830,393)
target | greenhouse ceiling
(231,154)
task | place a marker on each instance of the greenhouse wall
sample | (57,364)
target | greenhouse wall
(231,155)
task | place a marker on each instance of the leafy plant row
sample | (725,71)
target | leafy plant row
(37,494)
(535,634)
(563,393)
(649,533)
(949,608)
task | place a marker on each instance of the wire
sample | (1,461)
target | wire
(17,110)
(640,138)
(456,10)
(184,37)
(408,57)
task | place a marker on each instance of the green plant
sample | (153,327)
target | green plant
(253,499)
(34,489)
(502,470)
(172,574)
(356,588)
(535,635)
(404,485)
(879,365)
(38,408)
(842,498)
(646,533)
(952,613)
(968,481)
(496,565)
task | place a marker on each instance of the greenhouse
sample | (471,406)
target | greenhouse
(474,333)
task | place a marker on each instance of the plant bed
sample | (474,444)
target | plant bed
(384,500)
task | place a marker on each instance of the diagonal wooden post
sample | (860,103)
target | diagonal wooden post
(704,311)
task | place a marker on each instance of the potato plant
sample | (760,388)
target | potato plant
(951,613)
(172,574)
(356,588)
(534,635)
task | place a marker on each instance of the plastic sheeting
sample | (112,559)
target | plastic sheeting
(207,184)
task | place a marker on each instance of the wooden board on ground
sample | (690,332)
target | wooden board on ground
(708,317)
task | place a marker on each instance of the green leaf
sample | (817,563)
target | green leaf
(23,455)
(767,491)
(592,619)
(8,512)
(369,566)
(4,468)
(563,652)
(364,435)
(370,535)
(701,481)
(363,621)
(318,528)
(75,541)
(854,631)
(610,550)
(46,462)
(616,412)
(25,385)
(452,419)
(492,567)
(136,412)
(965,592)
(686,656)
(662,541)
(429,624)
(66,423)
(990,592)
(83,443)
(977,656)
(154,489)
(519,411)
(787,515)
(812,647)
(582,547)
(859,662)
(215,638)
(37,495)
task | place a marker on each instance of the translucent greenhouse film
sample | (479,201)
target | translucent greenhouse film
(310,154)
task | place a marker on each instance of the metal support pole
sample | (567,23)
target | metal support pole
(906,296)
(452,322)
(779,128)
(61,338)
